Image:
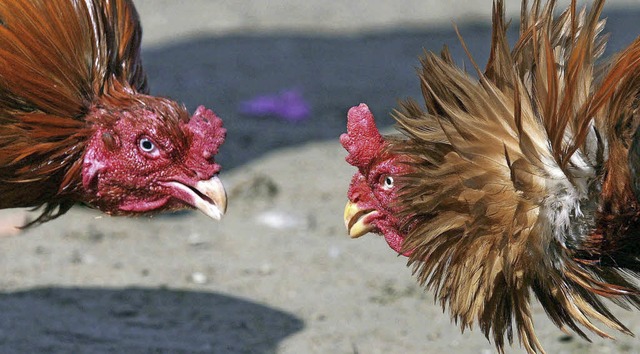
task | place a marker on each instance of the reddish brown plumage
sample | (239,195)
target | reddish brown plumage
(68,71)
(525,180)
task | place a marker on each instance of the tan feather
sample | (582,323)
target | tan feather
(503,197)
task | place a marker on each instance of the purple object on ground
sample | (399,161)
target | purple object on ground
(288,105)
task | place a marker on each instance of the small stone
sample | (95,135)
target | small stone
(278,219)
(198,278)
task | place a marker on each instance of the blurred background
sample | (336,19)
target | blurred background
(334,54)
(278,274)
(168,20)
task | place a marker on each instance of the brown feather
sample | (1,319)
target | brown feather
(58,59)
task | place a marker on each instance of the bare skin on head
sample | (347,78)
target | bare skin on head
(373,188)
(140,161)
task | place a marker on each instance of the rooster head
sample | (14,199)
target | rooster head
(373,189)
(152,157)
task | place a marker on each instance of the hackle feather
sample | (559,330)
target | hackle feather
(58,60)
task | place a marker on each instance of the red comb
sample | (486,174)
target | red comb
(362,140)
(205,124)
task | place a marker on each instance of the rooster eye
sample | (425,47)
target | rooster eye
(147,146)
(388,182)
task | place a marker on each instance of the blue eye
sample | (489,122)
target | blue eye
(388,182)
(146,145)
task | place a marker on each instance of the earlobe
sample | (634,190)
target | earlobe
(110,141)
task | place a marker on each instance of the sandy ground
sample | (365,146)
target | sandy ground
(278,274)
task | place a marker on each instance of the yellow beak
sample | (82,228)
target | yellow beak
(208,196)
(215,191)
(354,220)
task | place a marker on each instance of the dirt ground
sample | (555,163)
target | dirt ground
(278,274)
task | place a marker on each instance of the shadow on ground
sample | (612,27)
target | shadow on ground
(334,73)
(135,320)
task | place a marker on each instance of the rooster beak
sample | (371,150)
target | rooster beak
(213,190)
(355,220)
(208,196)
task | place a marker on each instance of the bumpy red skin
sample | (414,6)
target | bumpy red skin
(368,152)
(368,191)
(120,178)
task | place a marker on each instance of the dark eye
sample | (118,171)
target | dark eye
(388,182)
(147,146)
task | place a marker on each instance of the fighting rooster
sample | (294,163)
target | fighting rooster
(522,181)
(77,123)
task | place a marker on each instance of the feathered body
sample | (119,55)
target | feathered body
(77,123)
(524,180)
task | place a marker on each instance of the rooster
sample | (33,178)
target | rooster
(77,124)
(520,182)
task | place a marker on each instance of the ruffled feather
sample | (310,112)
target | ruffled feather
(517,176)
